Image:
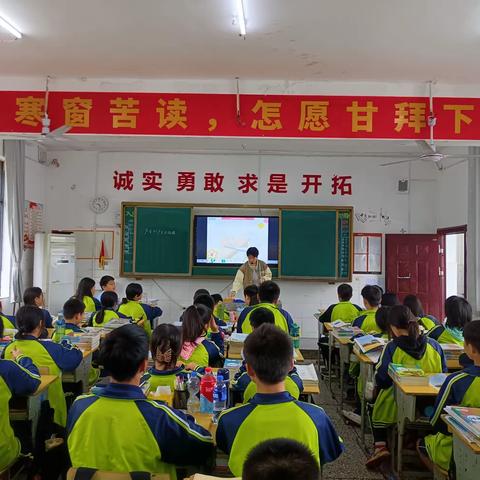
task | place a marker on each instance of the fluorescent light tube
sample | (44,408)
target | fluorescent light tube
(10,28)
(241,18)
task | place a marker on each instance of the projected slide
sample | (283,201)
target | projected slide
(224,240)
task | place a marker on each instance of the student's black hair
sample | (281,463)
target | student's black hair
(31,294)
(195,319)
(400,316)
(269,352)
(372,294)
(471,334)
(390,299)
(217,298)
(166,344)
(251,291)
(381,318)
(123,351)
(458,312)
(345,292)
(280,458)
(261,315)
(200,291)
(108,300)
(72,307)
(1,329)
(205,300)
(105,279)
(133,290)
(84,288)
(253,251)
(415,305)
(269,292)
(28,318)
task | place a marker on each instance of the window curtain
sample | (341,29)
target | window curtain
(14,152)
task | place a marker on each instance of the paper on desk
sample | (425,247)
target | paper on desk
(238,337)
(374,355)
(438,379)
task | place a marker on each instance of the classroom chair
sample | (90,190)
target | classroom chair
(92,474)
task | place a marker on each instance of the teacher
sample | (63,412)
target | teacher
(252,272)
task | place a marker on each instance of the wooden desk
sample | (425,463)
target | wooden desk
(466,454)
(205,421)
(454,364)
(28,408)
(406,398)
(82,372)
(345,346)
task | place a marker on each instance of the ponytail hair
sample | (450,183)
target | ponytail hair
(109,300)
(401,317)
(84,288)
(133,290)
(166,344)
(195,319)
(28,319)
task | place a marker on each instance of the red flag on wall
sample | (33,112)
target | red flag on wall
(101,258)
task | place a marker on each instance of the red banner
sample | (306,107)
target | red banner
(291,116)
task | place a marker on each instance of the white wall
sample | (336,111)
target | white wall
(84,175)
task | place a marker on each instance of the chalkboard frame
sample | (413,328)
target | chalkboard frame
(279,208)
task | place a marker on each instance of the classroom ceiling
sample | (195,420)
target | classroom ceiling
(349,40)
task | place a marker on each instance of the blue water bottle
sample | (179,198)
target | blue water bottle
(59,329)
(219,398)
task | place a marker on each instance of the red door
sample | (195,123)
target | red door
(413,265)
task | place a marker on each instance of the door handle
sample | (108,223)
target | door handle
(404,278)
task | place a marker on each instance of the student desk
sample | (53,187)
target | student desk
(237,356)
(345,345)
(453,364)
(367,367)
(466,454)
(406,398)
(81,373)
(28,408)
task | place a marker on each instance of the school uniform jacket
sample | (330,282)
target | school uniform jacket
(108,316)
(345,311)
(444,335)
(7,322)
(130,433)
(283,320)
(163,378)
(58,358)
(461,388)
(72,328)
(18,377)
(140,311)
(209,353)
(91,304)
(243,383)
(366,321)
(277,415)
(428,322)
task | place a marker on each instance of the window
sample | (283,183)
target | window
(367,253)
(455,260)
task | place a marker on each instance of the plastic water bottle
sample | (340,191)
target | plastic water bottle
(219,398)
(59,329)
(193,385)
(207,386)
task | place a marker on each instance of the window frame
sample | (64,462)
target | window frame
(368,235)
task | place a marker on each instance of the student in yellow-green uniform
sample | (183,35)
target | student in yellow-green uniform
(107,311)
(85,293)
(372,296)
(415,305)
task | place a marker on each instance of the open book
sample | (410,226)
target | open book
(308,374)
(367,343)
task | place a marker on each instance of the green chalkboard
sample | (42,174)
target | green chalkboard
(156,240)
(316,244)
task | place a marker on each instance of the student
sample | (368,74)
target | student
(132,307)
(165,347)
(6,321)
(112,415)
(242,381)
(107,311)
(269,293)
(208,301)
(18,376)
(273,412)
(197,350)
(281,458)
(415,305)
(390,299)
(410,349)
(74,315)
(34,296)
(218,303)
(372,296)
(250,293)
(343,310)
(458,312)
(85,293)
(460,388)
(381,320)
(107,284)
(56,357)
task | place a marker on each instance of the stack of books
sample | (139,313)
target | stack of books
(452,351)
(408,375)
(308,374)
(236,343)
(115,323)
(347,331)
(85,341)
(467,420)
